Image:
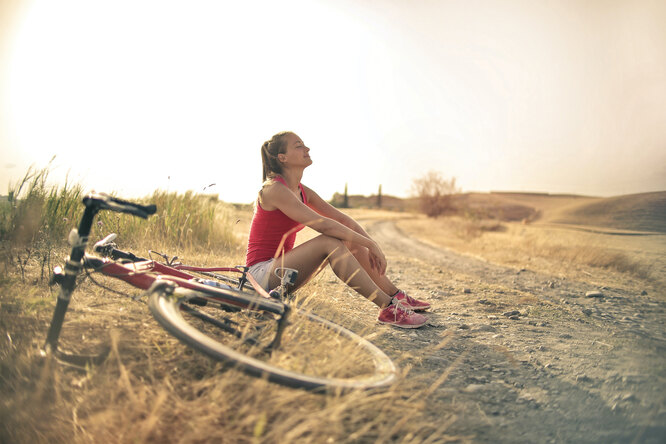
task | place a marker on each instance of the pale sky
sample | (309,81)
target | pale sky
(137,95)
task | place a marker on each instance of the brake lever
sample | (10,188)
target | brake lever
(170,262)
(163,256)
(105,243)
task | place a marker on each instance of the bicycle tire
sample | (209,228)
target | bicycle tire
(169,305)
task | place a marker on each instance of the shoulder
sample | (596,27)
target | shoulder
(272,194)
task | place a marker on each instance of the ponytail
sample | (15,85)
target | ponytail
(269,155)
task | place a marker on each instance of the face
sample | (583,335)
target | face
(297,153)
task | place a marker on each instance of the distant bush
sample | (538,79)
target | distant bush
(471,228)
(434,193)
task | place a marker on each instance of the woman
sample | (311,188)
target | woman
(284,206)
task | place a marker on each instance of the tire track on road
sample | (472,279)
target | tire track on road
(387,233)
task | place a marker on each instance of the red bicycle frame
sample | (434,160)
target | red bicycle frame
(143,274)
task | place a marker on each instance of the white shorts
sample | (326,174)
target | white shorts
(261,271)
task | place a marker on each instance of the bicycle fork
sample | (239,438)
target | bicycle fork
(67,279)
(287,279)
(281,325)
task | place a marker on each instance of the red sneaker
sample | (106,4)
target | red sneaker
(400,316)
(410,302)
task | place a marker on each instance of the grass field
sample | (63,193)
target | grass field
(153,389)
(561,251)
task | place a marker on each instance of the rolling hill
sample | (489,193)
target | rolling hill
(635,212)
(645,212)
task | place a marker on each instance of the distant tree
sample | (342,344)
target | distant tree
(434,193)
(345,201)
(379,197)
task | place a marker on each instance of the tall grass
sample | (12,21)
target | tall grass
(186,221)
(191,221)
(37,216)
(34,220)
(36,212)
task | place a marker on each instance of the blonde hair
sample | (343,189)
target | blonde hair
(269,155)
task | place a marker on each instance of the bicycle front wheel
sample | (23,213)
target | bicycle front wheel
(289,346)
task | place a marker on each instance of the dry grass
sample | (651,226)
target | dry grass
(154,389)
(556,250)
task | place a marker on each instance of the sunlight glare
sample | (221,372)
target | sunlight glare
(141,80)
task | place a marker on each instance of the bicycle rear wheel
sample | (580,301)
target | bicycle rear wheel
(311,352)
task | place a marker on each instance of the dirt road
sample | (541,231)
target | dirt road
(532,357)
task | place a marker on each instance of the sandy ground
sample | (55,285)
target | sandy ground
(527,356)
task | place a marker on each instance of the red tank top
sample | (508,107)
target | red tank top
(268,229)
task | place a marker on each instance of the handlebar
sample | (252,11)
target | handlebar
(103,201)
(93,202)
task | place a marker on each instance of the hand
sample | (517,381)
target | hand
(377,259)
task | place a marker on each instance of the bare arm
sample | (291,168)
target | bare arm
(280,197)
(327,210)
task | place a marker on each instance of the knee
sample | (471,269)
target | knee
(356,249)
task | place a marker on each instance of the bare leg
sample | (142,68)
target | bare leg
(363,257)
(310,257)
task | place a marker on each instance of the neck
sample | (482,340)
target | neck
(293,178)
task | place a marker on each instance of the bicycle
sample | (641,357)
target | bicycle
(229,319)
